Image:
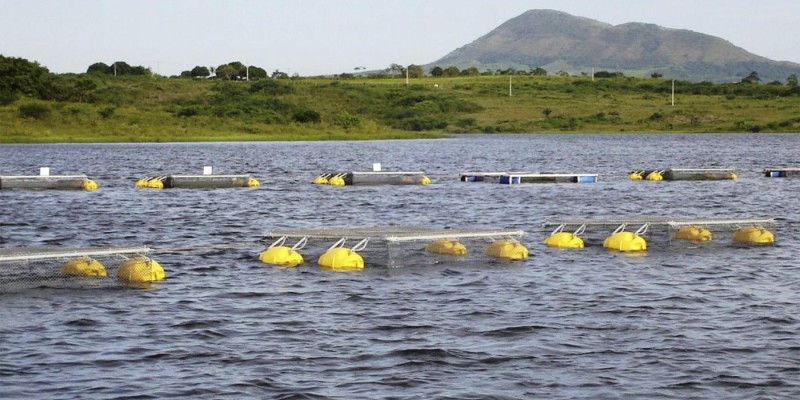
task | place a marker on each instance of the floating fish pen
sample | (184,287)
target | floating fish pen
(32,267)
(372,178)
(341,249)
(205,181)
(683,174)
(46,181)
(627,234)
(513,178)
(782,172)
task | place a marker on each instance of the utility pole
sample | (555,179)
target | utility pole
(509,84)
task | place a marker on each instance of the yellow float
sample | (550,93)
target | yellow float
(83,266)
(564,240)
(253,182)
(625,241)
(284,256)
(341,259)
(635,176)
(141,183)
(446,247)
(89,185)
(320,180)
(692,233)
(753,235)
(155,183)
(507,249)
(140,269)
(424,180)
(336,181)
(654,176)
(338,258)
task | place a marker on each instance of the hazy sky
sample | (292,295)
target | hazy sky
(315,37)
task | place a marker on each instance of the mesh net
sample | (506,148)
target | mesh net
(27,268)
(397,246)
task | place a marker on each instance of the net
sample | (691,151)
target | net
(32,267)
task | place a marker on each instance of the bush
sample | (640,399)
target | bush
(107,112)
(35,111)
(187,112)
(305,116)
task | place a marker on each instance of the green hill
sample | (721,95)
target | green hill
(36,107)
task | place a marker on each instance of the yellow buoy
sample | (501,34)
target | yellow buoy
(625,241)
(89,185)
(446,247)
(692,233)
(635,176)
(83,266)
(141,183)
(654,176)
(253,182)
(507,249)
(732,175)
(341,259)
(320,180)
(424,180)
(753,235)
(336,181)
(155,183)
(282,256)
(140,269)
(564,240)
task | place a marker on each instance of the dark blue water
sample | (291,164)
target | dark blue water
(681,321)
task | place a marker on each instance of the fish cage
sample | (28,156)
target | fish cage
(48,267)
(514,178)
(399,246)
(197,182)
(62,182)
(782,172)
(335,178)
(665,230)
(684,174)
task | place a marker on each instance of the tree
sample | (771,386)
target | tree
(752,78)
(539,71)
(471,71)
(257,73)
(415,71)
(437,71)
(397,69)
(656,75)
(451,71)
(226,72)
(791,81)
(277,74)
(97,68)
(200,72)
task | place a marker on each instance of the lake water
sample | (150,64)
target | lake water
(682,321)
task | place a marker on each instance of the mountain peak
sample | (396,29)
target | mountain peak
(560,42)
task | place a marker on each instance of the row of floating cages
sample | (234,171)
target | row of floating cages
(628,234)
(30,267)
(683,174)
(376,177)
(348,249)
(514,178)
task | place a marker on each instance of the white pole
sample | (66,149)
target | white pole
(673,92)
(509,84)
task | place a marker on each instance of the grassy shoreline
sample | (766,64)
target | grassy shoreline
(156,109)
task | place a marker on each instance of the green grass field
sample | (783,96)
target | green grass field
(155,109)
